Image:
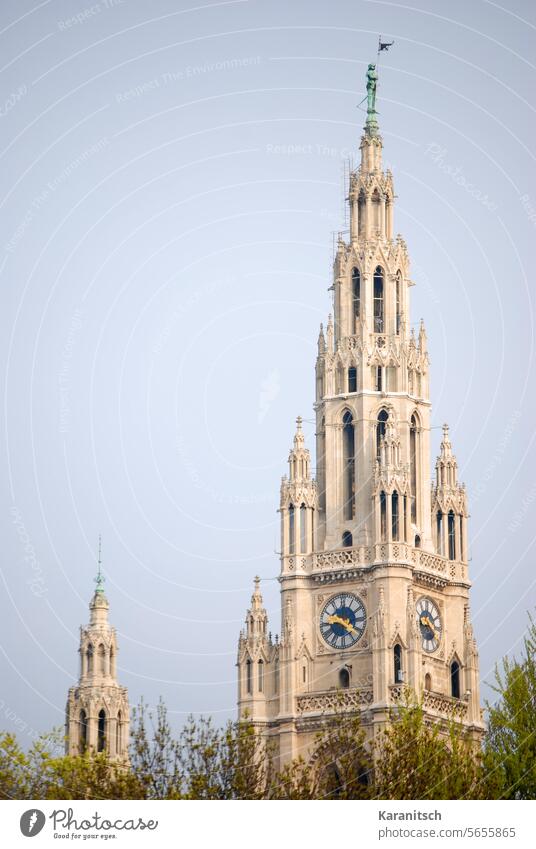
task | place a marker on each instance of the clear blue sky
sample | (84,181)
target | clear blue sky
(171,175)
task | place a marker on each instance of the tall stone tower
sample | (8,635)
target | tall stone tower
(374,577)
(97,713)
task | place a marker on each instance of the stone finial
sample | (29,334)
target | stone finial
(446,445)
(329,334)
(321,341)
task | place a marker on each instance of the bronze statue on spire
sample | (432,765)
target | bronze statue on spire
(372,84)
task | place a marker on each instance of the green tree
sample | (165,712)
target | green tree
(13,768)
(154,754)
(418,760)
(511,742)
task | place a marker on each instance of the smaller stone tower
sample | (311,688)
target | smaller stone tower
(97,713)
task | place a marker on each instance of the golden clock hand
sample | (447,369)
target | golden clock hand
(426,621)
(338,620)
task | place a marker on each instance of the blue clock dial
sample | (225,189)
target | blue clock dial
(343,620)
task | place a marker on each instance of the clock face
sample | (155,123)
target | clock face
(429,624)
(343,620)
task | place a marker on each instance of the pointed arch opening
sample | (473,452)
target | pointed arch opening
(352,380)
(413,461)
(455,688)
(381,425)
(395,517)
(260,675)
(101,731)
(397,661)
(361,207)
(439,531)
(83,731)
(378,300)
(348,454)
(89,659)
(119,734)
(249,677)
(427,681)
(376,211)
(452,535)
(347,539)
(356,297)
(102,660)
(383,516)
(303,529)
(291,530)
(344,678)
(378,378)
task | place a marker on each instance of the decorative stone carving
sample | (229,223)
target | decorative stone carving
(333,700)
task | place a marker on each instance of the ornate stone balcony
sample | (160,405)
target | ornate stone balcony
(332,700)
(437,703)
(345,563)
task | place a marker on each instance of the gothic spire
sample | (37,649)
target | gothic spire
(299,458)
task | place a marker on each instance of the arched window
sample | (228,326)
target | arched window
(291,530)
(378,378)
(83,731)
(102,660)
(249,682)
(101,732)
(394,517)
(455,679)
(383,517)
(304,673)
(361,205)
(321,455)
(376,210)
(89,658)
(344,678)
(352,380)
(348,458)
(347,540)
(439,531)
(118,734)
(383,415)
(378,300)
(427,681)
(397,657)
(303,528)
(417,541)
(413,459)
(398,316)
(452,535)
(261,676)
(356,296)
